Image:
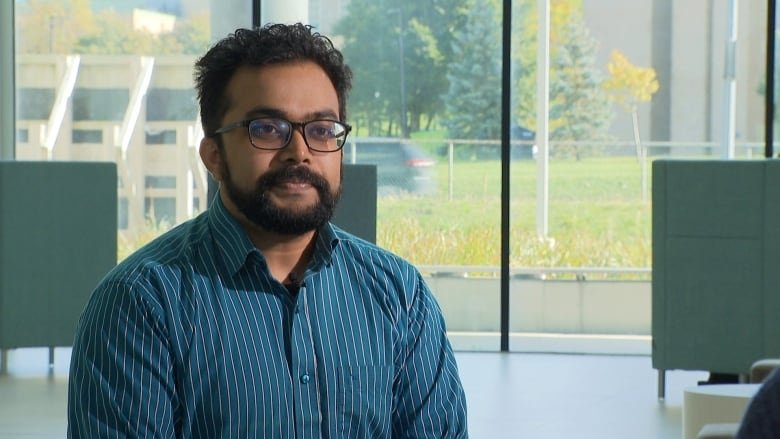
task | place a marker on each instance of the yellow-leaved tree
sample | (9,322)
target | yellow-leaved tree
(629,85)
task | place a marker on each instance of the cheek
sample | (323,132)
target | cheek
(333,174)
(245,171)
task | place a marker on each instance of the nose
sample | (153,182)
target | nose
(297,150)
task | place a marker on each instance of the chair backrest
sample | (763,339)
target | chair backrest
(356,211)
(58,238)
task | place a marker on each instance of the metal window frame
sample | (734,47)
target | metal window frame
(8,117)
(7,82)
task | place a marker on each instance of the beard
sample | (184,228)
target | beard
(258,207)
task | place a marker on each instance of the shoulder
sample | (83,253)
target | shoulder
(162,260)
(388,276)
(373,257)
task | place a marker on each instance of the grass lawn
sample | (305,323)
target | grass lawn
(597,216)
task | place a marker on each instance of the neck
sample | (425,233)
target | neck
(285,254)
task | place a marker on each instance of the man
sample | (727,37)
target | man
(259,318)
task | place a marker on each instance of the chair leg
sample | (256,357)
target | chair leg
(661,384)
(3,362)
(51,360)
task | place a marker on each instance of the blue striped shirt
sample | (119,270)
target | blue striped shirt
(192,337)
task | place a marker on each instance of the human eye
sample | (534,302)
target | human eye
(267,128)
(322,129)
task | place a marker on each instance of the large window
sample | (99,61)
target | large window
(598,91)
(616,94)
(621,93)
(426,110)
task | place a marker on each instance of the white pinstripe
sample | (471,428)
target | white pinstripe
(192,337)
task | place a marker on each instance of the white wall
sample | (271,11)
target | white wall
(605,317)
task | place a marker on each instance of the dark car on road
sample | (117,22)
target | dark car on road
(401,167)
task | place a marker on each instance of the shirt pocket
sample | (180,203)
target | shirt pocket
(363,401)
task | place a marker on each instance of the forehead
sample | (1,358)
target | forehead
(293,89)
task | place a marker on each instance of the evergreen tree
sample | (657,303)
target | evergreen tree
(473,101)
(579,108)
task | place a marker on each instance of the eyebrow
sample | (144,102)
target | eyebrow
(275,112)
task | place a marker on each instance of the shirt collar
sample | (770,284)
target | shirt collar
(327,240)
(234,245)
(230,239)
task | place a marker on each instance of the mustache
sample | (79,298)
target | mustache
(292,173)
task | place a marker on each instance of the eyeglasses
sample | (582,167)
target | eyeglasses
(271,133)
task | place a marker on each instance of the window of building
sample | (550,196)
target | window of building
(34,103)
(171,104)
(160,137)
(100,104)
(160,211)
(160,182)
(86,136)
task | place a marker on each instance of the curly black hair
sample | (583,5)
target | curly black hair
(270,44)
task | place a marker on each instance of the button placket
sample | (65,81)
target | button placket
(303,368)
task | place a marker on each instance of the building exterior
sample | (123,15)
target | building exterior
(687,50)
(139,112)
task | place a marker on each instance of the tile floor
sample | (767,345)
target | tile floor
(514,395)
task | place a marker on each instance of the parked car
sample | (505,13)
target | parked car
(401,167)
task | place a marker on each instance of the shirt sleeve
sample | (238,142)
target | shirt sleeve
(430,401)
(121,381)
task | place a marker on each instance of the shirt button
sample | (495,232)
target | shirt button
(305,378)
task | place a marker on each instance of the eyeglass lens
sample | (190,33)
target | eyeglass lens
(274,133)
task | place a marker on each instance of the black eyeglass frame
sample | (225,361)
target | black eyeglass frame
(301,126)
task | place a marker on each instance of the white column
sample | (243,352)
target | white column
(285,11)
(730,83)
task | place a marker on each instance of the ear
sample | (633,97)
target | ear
(211,157)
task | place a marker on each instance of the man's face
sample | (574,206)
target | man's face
(289,191)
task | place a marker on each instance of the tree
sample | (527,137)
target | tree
(365,35)
(373,35)
(524,63)
(190,35)
(473,100)
(431,32)
(48,26)
(51,26)
(629,86)
(114,35)
(579,110)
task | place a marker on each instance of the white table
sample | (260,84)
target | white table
(714,403)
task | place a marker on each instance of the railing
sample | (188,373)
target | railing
(647,151)
(577,273)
